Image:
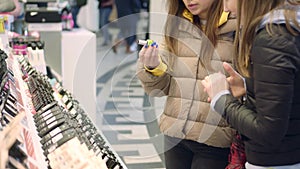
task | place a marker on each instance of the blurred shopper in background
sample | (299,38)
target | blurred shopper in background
(18,14)
(75,9)
(105,8)
(128,16)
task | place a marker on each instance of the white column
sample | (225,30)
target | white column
(79,67)
(157,19)
(88,16)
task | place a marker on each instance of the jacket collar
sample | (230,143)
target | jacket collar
(224,28)
(189,16)
(277,17)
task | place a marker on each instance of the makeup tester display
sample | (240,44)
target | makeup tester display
(55,131)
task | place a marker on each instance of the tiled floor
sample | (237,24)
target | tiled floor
(125,115)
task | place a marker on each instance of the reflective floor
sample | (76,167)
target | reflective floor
(126,116)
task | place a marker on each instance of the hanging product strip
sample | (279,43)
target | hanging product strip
(11,149)
(62,123)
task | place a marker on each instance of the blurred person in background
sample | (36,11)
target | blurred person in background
(127,11)
(105,9)
(18,14)
(75,9)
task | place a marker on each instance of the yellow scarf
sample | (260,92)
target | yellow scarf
(189,16)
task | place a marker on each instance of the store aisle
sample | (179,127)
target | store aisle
(125,115)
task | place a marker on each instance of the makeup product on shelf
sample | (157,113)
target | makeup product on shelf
(58,140)
(47,115)
(46,107)
(54,119)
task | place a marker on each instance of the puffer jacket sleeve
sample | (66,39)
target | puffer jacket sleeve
(275,61)
(155,86)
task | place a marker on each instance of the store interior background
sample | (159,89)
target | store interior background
(103,82)
(122,112)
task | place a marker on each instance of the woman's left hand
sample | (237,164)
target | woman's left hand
(235,81)
(215,83)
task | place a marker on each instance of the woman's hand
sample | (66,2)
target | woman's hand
(235,81)
(149,55)
(8,137)
(215,83)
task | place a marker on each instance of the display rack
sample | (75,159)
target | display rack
(56,132)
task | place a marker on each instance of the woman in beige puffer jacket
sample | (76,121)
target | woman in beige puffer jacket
(195,136)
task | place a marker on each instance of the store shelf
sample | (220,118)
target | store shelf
(57,132)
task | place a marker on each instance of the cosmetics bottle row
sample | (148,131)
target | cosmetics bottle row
(56,132)
(12,153)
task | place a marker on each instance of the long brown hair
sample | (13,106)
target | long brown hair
(249,15)
(176,8)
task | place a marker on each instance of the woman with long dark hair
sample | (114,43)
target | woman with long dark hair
(268,56)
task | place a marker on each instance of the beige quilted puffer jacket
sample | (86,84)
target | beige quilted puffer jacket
(187,113)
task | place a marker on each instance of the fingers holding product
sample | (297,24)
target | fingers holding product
(235,80)
(141,54)
(151,58)
(149,54)
(214,83)
(229,69)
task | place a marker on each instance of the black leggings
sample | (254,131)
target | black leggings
(187,154)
